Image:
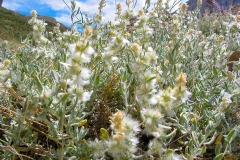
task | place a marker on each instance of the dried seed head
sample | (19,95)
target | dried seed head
(116,120)
(102,4)
(88,31)
(141,12)
(6,63)
(184,8)
(182,78)
(34,13)
(199,3)
(135,47)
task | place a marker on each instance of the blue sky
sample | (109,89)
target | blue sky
(59,10)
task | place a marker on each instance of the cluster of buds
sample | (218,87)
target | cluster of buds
(146,78)
(110,52)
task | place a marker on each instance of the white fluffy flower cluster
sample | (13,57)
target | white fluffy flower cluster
(123,143)
(38,28)
(79,76)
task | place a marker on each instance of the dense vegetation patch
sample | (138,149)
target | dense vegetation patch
(150,85)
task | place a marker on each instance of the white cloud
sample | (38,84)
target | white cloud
(56,4)
(90,6)
(14,4)
(64,19)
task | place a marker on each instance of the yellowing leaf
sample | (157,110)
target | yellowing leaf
(104,133)
(219,138)
(84,142)
(82,123)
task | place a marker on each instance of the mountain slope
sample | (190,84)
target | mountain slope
(226,4)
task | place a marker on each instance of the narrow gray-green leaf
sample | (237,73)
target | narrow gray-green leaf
(219,157)
(38,83)
(97,81)
(230,135)
(42,116)
(218,148)
(65,97)
(215,72)
(150,79)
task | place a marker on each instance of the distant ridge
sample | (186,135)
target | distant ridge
(52,20)
(226,4)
